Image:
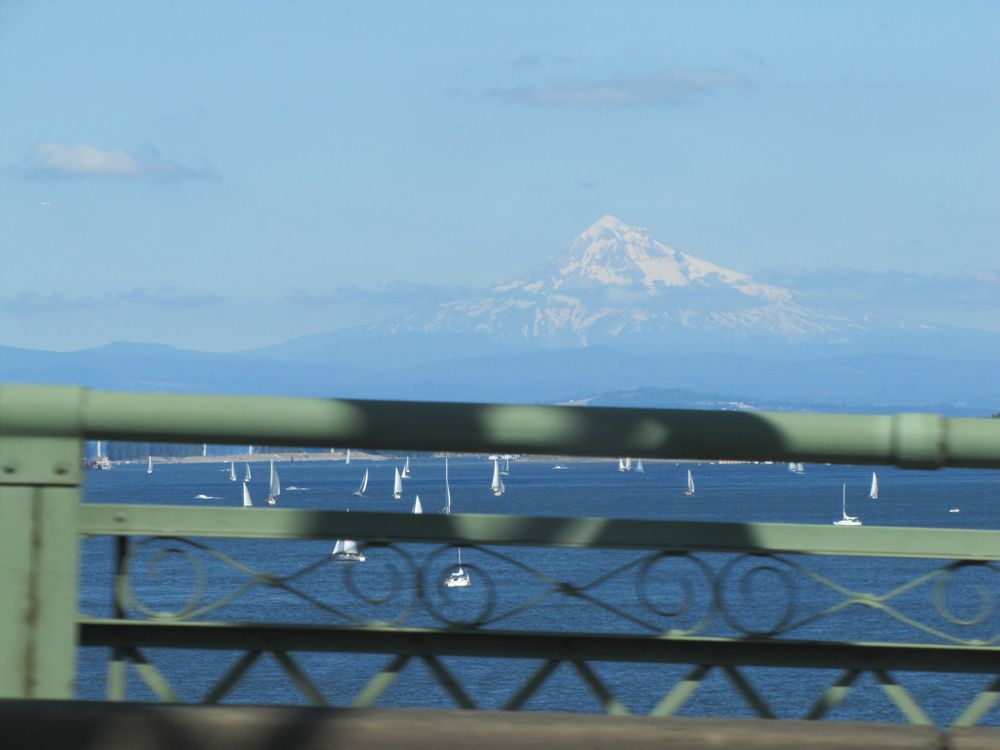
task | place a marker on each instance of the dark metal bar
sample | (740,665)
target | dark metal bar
(557,646)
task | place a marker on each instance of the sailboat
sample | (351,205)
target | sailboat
(417,507)
(505,469)
(406,469)
(459,577)
(247,502)
(638,467)
(100,460)
(621,464)
(796,468)
(360,491)
(149,466)
(628,464)
(274,489)
(447,489)
(497,485)
(348,459)
(873,492)
(232,471)
(346,550)
(690,490)
(246,473)
(397,486)
(845,519)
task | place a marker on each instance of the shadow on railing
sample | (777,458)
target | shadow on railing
(747,604)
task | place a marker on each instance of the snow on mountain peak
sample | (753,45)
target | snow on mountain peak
(614,254)
(616,280)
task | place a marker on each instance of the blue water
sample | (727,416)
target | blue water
(508,578)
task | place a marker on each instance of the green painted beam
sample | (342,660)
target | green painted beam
(38,591)
(508,644)
(288,523)
(911,440)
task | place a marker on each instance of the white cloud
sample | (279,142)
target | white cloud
(163,297)
(667,87)
(82,160)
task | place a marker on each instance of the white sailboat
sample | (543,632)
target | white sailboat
(346,550)
(417,507)
(247,502)
(459,577)
(347,460)
(873,492)
(505,469)
(397,486)
(638,467)
(274,488)
(628,464)
(246,473)
(149,466)
(497,484)
(232,471)
(621,464)
(447,489)
(204,450)
(405,474)
(845,519)
(690,488)
(796,468)
(100,461)
(360,491)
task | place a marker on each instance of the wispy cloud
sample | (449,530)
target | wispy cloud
(32,302)
(537,61)
(82,160)
(851,286)
(398,292)
(664,88)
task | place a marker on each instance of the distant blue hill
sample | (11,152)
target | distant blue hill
(860,382)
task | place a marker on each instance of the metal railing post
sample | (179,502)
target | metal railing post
(40,486)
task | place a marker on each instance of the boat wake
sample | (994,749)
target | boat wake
(293,488)
(207,497)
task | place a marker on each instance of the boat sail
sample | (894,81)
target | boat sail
(405,474)
(397,486)
(417,507)
(246,473)
(232,471)
(360,491)
(621,464)
(247,502)
(459,577)
(447,489)
(873,492)
(346,550)
(347,460)
(628,464)
(497,484)
(149,466)
(690,490)
(638,467)
(505,469)
(274,489)
(845,519)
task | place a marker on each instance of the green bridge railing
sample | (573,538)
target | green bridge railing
(712,625)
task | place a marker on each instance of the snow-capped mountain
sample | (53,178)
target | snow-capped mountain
(615,281)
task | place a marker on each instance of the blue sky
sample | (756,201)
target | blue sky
(203,162)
